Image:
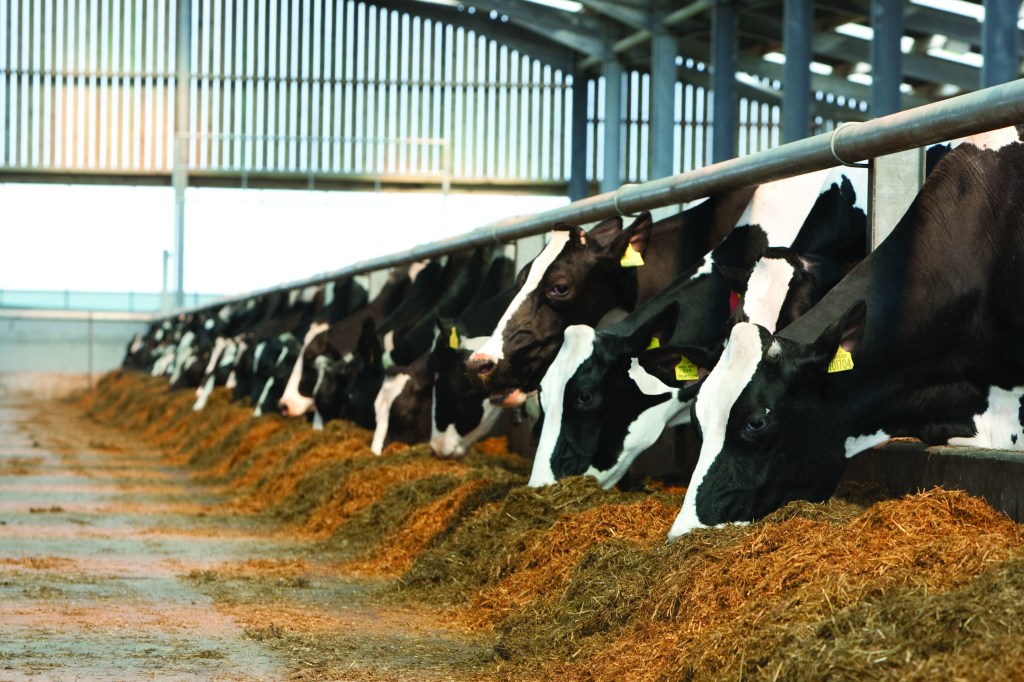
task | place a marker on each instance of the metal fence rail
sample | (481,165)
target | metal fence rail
(968,114)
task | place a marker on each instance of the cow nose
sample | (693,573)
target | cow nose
(282,407)
(480,364)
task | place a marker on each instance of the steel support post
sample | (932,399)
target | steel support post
(660,140)
(796,86)
(578,142)
(999,42)
(179,170)
(724,57)
(613,133)
(886,57)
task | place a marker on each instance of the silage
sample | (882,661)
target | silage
(578,583)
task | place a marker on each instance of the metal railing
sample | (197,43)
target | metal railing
(105,301)
(976,112)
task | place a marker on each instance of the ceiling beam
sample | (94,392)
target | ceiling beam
(525,42)
(583,33)
(632,16)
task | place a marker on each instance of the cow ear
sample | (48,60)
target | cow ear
(735,277)
(630,245)
(606,230)
(836,348)
(678,366)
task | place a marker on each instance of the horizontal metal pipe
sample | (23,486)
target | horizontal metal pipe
(968,114)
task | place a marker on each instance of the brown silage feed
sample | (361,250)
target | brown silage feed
(577,583)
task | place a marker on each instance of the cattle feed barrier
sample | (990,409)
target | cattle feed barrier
(904,467)
(968,114)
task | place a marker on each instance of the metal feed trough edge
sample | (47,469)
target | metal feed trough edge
(967,114)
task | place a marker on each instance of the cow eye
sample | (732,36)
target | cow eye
(584,399)
(560,289)
(755,425)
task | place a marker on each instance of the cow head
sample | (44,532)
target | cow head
(461,412)
(767,437)
(294,400)
(598,407)
(577,279)
(402,406)
(365,376)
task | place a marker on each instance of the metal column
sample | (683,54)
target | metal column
(724,49)
(179,170)
(660,141)
(999,42)
(886,56)
(613,143)
(796,89)
(578,143)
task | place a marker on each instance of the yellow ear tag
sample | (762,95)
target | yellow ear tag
(453,340)
(654,343)
(842,362)
(686,370)
(631,258)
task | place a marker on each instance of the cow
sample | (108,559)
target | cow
(579,277)
(919,340)
(405,403)
(602,408)
(462,412)
(338,341)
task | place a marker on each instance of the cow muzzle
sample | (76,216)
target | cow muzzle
(481,365)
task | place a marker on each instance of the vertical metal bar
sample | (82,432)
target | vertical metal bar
(322,131)
(281,82)
(612,72)
(30,100)
(111,129)
(233,83)
(578,152)
(724,49)
(76,91)
(165,142)
(384,90)
(886,56)
(53,84)
(465,144)
(246,91)
(222,82)
(265,51)
(211,79)
(8,138)
(999,47)
(144,66)
(661,102)
(154,86)
(796,93)
(179,174)
(364,38)
(122,82)
(526,116)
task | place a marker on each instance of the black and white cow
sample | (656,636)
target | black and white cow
(320,350)
(602,408)
(580,277)
(921,339)
(404,404)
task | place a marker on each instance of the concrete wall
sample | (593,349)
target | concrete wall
(49,354)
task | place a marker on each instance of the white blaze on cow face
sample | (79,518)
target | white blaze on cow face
(204,391)
(999,425)
(577,346)
(493,348)
(647,427)
(182,355)
(386,396)
(715,401)
(767,288)
(292,402)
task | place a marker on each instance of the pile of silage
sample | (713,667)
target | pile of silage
(576,582)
